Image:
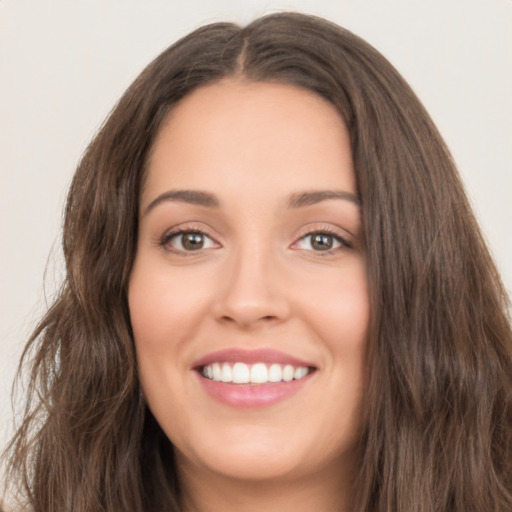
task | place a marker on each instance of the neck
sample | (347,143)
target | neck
(325,491)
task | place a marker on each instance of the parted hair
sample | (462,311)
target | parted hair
(436,434)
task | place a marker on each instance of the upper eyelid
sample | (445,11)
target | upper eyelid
(188,227)
(321,227)
(344,243)
(168,235)
(323,232)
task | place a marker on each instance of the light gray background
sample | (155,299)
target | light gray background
(63,65)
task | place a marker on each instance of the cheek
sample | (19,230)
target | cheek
(164,308)
(340,317)
(339,307)
(163,318)
(162,321)
(344,320)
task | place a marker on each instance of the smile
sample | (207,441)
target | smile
(252,378)
(259,373)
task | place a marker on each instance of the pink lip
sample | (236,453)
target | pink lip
(250,395)
(249,357)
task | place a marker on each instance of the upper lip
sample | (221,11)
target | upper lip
(234,355)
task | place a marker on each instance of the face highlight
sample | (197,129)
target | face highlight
(248,296)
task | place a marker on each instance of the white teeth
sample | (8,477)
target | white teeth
(259,373)
(288,373)
(217,372)
(275,373)
(240,373)
(227,374)
(300,372)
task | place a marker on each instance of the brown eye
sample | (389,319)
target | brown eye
(188,241)
(192,241)
(322,242)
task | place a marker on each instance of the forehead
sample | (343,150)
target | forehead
(254,136)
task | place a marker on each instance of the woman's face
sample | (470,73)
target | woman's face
(248,296)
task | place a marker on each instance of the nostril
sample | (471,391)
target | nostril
(228,318)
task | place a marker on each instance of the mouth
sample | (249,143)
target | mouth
(256,378)
(255,374)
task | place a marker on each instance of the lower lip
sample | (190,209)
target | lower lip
(251,395)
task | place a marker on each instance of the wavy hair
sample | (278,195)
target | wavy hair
(437,429)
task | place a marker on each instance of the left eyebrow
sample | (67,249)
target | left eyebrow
(185,196)
(301,199)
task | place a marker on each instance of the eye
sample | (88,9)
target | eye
(188,241)
(321,242)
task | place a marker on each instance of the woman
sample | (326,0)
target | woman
(276,298)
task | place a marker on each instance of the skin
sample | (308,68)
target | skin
(256,282)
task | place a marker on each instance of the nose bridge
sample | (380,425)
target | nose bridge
(252,291)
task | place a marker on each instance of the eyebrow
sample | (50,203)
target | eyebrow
(185,196)
(302,199)
(297,200)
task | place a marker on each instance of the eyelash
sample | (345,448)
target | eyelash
(166,239)
(343,243)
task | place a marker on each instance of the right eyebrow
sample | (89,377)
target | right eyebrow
(301,199)
(185,196)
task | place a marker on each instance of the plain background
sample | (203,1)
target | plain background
(64,64)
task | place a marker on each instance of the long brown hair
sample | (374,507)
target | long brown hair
(437,432)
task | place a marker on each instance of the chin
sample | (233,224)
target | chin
(255,462)
(256,453)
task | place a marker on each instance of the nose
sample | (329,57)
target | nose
(252,292)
